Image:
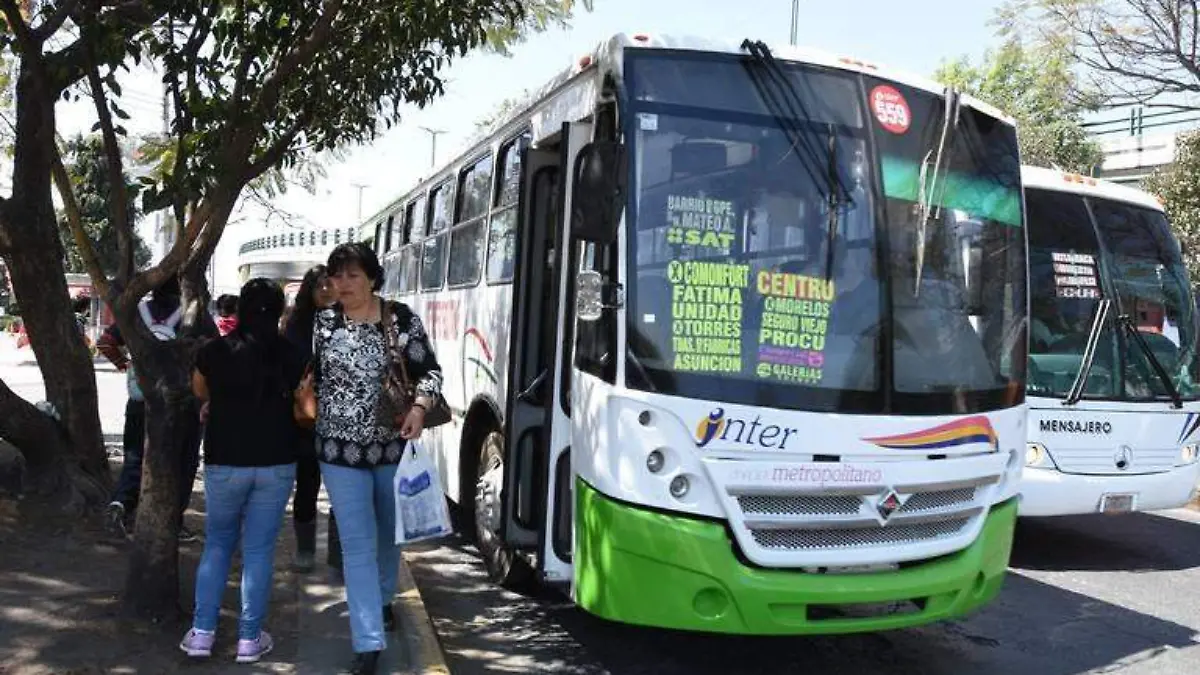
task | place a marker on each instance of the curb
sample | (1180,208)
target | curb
(427,656)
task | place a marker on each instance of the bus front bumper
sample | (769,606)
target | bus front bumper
(1049,492)
(672,571)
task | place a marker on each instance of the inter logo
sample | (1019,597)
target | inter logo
(734,431)
(710,427)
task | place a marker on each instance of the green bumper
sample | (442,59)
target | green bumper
(647,568)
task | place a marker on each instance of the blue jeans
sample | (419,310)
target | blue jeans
(364,503)
(243,502)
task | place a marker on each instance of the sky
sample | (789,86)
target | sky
(916,35)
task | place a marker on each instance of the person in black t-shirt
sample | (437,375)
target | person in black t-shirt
(248,378)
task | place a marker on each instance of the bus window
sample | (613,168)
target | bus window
(466,254)
(433,260)
(414,220)
(466,241)
(502,232)
(393,232)
(501,247)
(474,188)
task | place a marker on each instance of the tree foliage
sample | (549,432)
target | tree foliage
(1135,51)
(1178,186)
(89,178)
(255,87)
(1035,86)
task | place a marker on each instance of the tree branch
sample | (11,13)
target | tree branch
(274,154)
(298,56)
(243,68)
(50,26)
(175,260)
(29,45)
(118,194)
(75,220)
(130,18)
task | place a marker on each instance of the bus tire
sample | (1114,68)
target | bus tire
(504,566)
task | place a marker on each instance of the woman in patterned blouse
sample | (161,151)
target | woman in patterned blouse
(358,446)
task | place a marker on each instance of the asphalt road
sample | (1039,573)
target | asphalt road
(1085,595)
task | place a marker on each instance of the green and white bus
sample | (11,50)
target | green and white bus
(735,338)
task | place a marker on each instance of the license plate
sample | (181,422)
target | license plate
(1116,503)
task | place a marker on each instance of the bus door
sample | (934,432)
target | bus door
(537,481)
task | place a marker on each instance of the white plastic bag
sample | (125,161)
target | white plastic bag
(421,511)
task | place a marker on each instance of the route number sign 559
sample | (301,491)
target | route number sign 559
(890,109)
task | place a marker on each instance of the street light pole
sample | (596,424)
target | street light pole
(795,20)
(360,187)
(433,134)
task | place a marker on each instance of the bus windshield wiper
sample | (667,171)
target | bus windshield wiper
(1089,352)
(833,204)
(926,192)
(786,106)
(1126,321)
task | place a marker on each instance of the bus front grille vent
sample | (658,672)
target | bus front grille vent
(799,505)
(815,539)
(936,501)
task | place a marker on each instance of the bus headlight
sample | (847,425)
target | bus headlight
(680,486)
(655,461)
(1188,453)
(1036,455)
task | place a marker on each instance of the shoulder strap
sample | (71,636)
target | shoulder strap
(391,333)
(144,310)
(175,317)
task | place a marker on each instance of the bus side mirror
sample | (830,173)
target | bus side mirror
(598,192)
(589,296)
(594,294)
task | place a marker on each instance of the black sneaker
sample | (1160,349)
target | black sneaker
(364,663)
(114,520)
(389,618)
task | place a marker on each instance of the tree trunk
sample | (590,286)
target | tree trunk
(172,422)
(51,473)
(152,587)
(36,271)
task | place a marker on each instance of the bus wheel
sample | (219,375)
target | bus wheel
(503,565)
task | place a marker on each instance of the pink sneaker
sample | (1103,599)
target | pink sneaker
(198,643)
(250,651)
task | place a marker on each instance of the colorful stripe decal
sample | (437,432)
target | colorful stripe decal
(976,429)
(1189,427)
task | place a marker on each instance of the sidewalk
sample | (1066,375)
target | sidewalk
(61,583)
(324,642)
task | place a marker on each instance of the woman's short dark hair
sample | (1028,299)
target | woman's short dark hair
(356,253)
(227,305)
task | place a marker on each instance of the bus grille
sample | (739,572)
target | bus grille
(938,500)
(808,540)
(1103,461)
(818,505)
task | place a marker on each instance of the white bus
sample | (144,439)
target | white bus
(735,339)
(1114,404)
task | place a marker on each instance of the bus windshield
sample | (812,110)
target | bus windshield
(1083,250)
(774,245)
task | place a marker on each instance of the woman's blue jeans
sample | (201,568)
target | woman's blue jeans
(246,503)
(364,503)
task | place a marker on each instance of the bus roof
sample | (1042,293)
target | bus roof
(1063,181)
(610,53)
(612,48)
